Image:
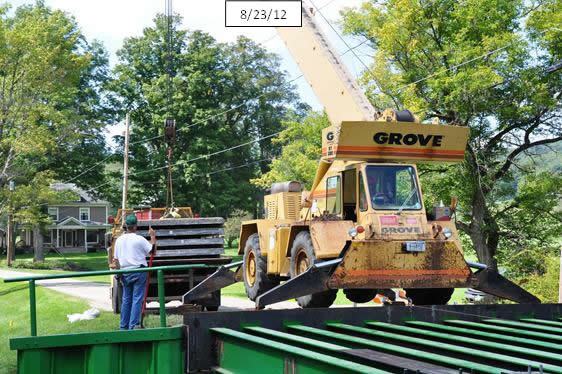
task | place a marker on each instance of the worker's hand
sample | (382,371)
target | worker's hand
(151,232)
(114,264)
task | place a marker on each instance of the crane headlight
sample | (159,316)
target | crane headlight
(447,232)
(355,230)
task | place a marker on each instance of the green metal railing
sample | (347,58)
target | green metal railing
(158,269)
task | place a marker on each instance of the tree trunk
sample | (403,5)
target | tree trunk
(483,231)
(38,255)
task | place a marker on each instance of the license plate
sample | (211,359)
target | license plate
(418,246)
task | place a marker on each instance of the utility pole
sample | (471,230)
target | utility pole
(125,169)
(10,230)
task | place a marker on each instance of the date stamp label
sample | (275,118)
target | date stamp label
(263,13)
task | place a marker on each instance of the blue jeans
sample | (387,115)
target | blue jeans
(133,297)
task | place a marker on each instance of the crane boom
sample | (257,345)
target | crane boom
(332,82)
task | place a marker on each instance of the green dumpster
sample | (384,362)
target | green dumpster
(153,351)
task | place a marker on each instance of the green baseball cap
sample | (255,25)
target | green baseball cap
(131,220)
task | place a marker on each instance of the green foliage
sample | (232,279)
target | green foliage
(233,224)
(28,202)
(534,223)
(479,64)
(50,106)
(224,94)
(544,286)
(302,147)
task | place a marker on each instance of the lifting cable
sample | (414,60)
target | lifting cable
(170,124)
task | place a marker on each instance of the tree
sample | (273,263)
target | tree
(233,224)
(479,64)
(49,103)
(29,201)
(224,95)
(302,148)
(75,159)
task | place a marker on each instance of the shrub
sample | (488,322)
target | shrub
(233,223)
(544,286)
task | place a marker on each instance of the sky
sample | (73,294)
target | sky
(111,21)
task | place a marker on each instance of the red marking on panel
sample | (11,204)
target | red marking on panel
(389,220)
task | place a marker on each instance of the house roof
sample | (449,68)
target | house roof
(71,222)
(84,197)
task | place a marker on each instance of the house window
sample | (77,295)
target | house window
(53,213)
(84,214)
(92,237)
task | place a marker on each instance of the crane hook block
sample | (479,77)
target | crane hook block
(170,131)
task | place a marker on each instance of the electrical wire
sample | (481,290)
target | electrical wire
(471,60)
(233,168)
(221,113)
(146,140)
(300,76)
(238,106)
(89,169)
(193,159)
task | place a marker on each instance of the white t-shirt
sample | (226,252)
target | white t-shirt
(131,250)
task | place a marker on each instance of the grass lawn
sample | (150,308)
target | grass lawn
(59,264)
(52,308)
(233,252)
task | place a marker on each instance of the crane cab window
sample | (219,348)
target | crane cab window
(349,194)
(363,206)
(393,188)
(333,195)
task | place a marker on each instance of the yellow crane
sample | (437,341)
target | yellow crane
(363,226)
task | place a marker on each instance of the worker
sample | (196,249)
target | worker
(131,250)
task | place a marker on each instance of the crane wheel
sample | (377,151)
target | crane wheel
(429,296)
(360,295)
(254,268)
(302,257)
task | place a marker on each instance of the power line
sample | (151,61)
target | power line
(235,107)
(168,10)
(471,60)
(232,168)
(89,169)
(238,106)
(146,140)
(194,159)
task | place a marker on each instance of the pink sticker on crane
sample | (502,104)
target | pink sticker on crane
(389,220)
(411,221)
